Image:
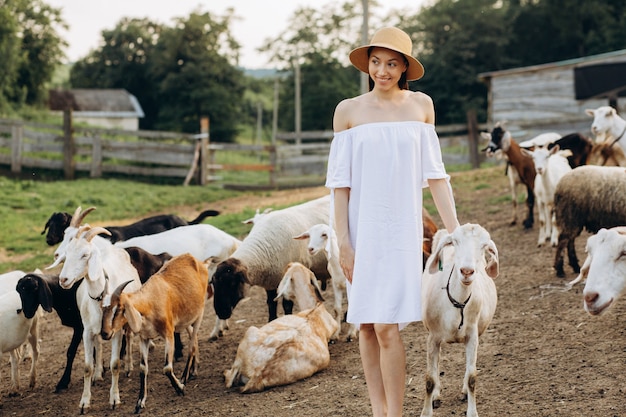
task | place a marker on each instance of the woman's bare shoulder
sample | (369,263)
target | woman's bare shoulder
(344,113)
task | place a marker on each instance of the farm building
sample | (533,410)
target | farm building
(107,108)
(554,96)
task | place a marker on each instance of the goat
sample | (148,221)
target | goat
(322,238)
(499,138)
(551,165)
(604,269)
(172,300)
(606,154)
(263,255)
(607,125)
(588,197)
(579,145)
(17,329)
(459,300)
(58,222)
(285,350)
(100,268)
(44,290)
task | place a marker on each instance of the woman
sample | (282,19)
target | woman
(384,151)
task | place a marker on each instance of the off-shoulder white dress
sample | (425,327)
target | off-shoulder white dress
(386,165)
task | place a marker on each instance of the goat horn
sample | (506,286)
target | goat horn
(79,216)
(118,291)
(93,232)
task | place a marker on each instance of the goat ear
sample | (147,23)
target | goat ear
(134,318)
(584,270)
(283,286)
(435,257)
(485,135)
(44,294)
(590,112)
(316,285)
(47,225)
(493,263)
(302,236)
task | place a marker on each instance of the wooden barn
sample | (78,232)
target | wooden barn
(554,96)
(107,108)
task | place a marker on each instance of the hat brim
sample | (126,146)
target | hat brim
(358,58)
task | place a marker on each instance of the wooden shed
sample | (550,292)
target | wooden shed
(107,108)
(542,98)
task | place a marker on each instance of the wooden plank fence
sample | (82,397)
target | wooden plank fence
(293,160)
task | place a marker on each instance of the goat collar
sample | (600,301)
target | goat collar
(619,137)
(455,303)
(101,296)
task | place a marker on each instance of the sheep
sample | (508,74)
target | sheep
(604,269)
(588,197)
(171,300)
(58,222)
(550,165)
(286,350)
(17,329)
(44,290)
(265,252)
(459,299)
(100,268)
(322,238)
(607,125)
(499,138)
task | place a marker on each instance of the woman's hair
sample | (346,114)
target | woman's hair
(402,82)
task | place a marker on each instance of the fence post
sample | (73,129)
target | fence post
(96,157)
(17,139)
(69,147)
(472,134)
(204,151)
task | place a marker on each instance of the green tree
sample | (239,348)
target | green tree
(30,50)
(123,62)
(194,76)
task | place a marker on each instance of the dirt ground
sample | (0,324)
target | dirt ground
(541,356)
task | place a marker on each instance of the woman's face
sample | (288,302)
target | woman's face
(386,67)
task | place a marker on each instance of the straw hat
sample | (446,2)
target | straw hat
(394,39)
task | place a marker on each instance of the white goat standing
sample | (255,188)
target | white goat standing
(322,237)
(101,269)
(459,300)
(608,126)
(604,269)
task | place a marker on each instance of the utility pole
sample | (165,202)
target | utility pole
(364,39)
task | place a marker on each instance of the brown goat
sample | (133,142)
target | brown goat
(171,300)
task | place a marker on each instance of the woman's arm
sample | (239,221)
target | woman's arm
(346,251)
(442,196)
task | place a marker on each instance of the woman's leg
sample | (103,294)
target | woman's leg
(383,358)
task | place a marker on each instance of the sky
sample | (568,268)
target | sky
(259,19)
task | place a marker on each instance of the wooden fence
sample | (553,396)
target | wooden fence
(292,160)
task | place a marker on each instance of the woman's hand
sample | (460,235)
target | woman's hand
(346,260)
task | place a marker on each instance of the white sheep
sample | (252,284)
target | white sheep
(171,300)
(263,255)
(459,300)
(604,269)
(285,350)
(322,238)
(257,216)
(550,165)
(607,125)
(101,269)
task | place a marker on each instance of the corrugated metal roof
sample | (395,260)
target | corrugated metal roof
(591,59)
(110,101)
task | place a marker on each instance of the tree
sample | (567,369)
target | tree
(122,61)
(194,76)
(30,50)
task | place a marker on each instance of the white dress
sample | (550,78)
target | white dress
(385,165)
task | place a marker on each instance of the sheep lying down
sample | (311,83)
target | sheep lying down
(285,350)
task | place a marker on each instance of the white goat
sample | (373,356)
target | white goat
(101,269)
(285,350)
(18,329)
(321,237)
(171,300)
(550,166)
(604,269)
(459,300)
(607,125)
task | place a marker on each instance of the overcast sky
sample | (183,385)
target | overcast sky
(259,19)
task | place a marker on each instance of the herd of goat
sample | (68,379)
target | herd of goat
(153,278)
